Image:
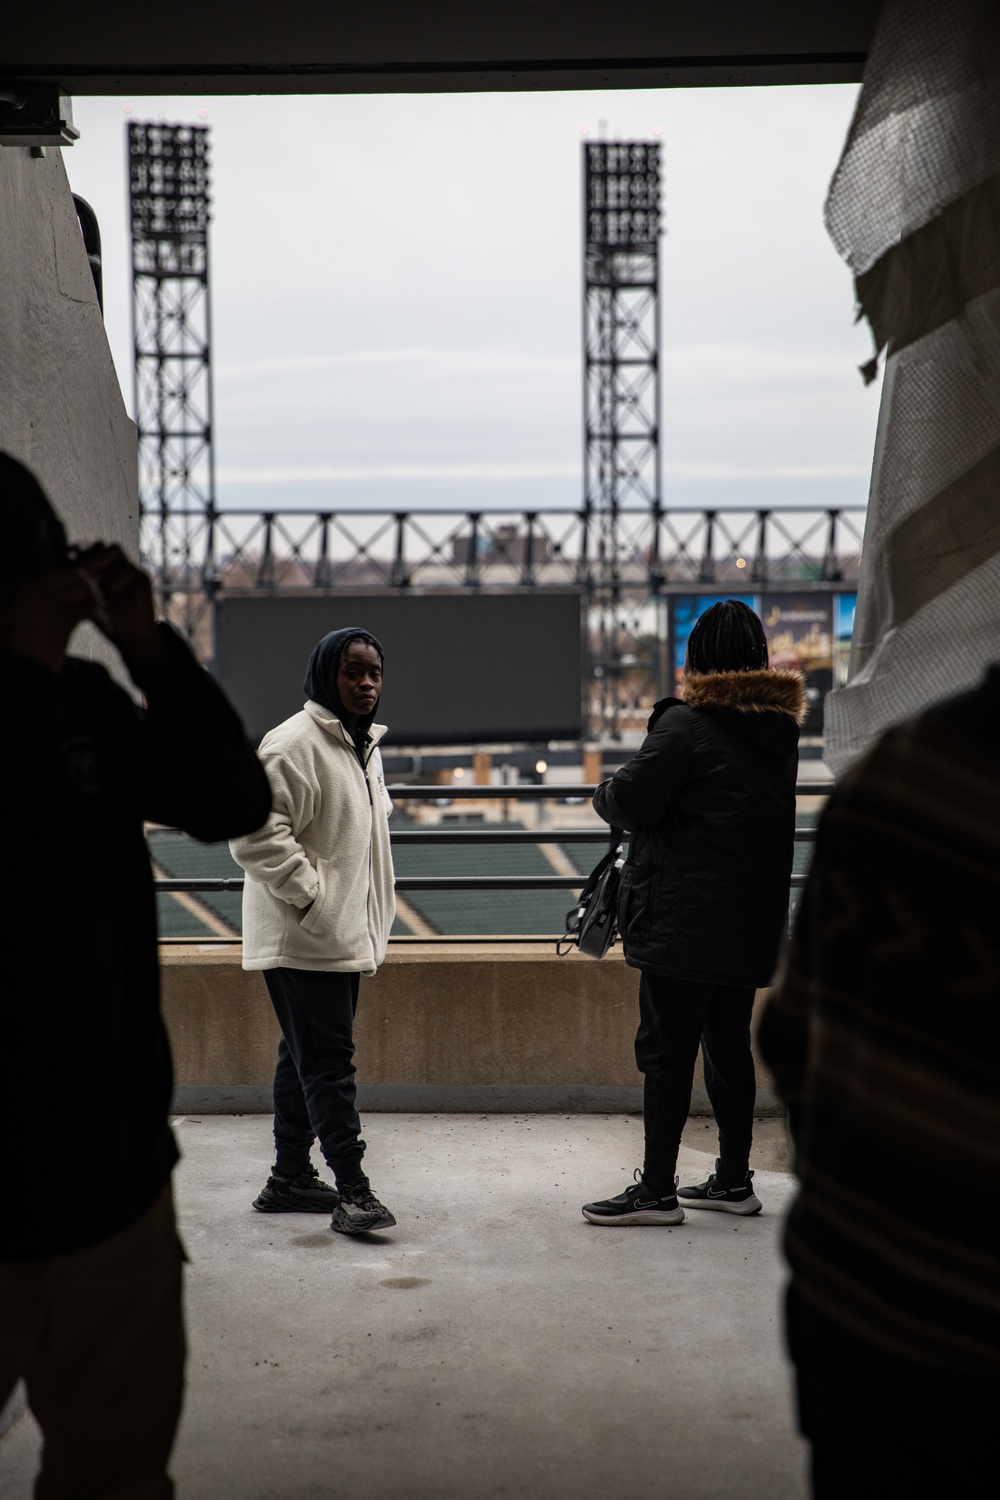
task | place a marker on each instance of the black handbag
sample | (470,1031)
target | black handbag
(592,925)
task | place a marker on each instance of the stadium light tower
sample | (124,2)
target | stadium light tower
(171,327)
(621,381)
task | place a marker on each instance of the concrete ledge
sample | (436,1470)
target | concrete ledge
(502,1028)
(453,1099)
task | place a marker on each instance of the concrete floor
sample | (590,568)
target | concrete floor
(494,1344)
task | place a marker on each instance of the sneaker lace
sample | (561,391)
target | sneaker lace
(359,1194)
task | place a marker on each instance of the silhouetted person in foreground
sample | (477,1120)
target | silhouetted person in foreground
(884,1041)
(703,904)
(90,1262)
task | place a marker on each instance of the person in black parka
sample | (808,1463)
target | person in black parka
(709,801)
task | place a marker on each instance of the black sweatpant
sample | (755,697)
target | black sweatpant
(314,1092)
(675,1017)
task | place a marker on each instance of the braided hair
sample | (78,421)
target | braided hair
(727,638)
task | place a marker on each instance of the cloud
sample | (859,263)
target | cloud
(334,473)
(737,362)
(405,316)
(501,472)
(766,471)
(472,360)
(755,363)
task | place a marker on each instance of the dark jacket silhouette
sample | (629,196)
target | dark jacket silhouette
(85,1078)
(710,802)
(884,1041)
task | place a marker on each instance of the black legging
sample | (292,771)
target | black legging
(675,1016)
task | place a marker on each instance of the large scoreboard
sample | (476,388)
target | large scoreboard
(459,668)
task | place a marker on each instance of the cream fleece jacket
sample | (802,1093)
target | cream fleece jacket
(319,884)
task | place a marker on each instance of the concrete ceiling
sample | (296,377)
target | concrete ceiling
(328,46)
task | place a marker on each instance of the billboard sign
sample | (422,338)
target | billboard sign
(845,607)
(460,668)
(799,630)
(806,632)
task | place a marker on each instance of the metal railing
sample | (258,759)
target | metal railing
(484,836)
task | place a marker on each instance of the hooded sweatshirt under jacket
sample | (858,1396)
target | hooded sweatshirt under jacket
(319,892)
(710,803)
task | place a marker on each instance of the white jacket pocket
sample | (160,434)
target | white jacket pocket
(314,914)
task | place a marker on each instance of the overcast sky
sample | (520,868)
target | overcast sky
(397,294)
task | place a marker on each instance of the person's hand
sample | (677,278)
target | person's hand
(45,612)
(124,609)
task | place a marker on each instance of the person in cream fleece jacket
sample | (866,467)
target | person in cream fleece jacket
(318,904)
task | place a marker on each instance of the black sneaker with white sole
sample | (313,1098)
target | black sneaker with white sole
(304,1194)
(359,1211)
(728,1199)
(635,1206)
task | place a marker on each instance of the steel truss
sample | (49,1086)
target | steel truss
(621,550)
(199,554)
(171,327)
(621,375)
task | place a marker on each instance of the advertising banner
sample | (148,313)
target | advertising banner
(807,632)
(844,609)
(799,630)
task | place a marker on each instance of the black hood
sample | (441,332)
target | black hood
(775,733)
(321,679)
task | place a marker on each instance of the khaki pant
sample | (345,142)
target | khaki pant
(98,1337)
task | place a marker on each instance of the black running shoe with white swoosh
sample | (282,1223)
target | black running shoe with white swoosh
(635,1206)
(726,1198)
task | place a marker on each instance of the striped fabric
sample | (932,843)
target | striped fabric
(884,1041)
(914,208)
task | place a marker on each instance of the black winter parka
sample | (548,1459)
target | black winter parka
(85,1072)
(710,803)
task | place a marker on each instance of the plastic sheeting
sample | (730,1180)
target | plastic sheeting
(914,208)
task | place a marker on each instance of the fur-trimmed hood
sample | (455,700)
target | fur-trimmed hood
(748,692)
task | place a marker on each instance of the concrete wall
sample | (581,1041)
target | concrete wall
(61,408)
(501,1027)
